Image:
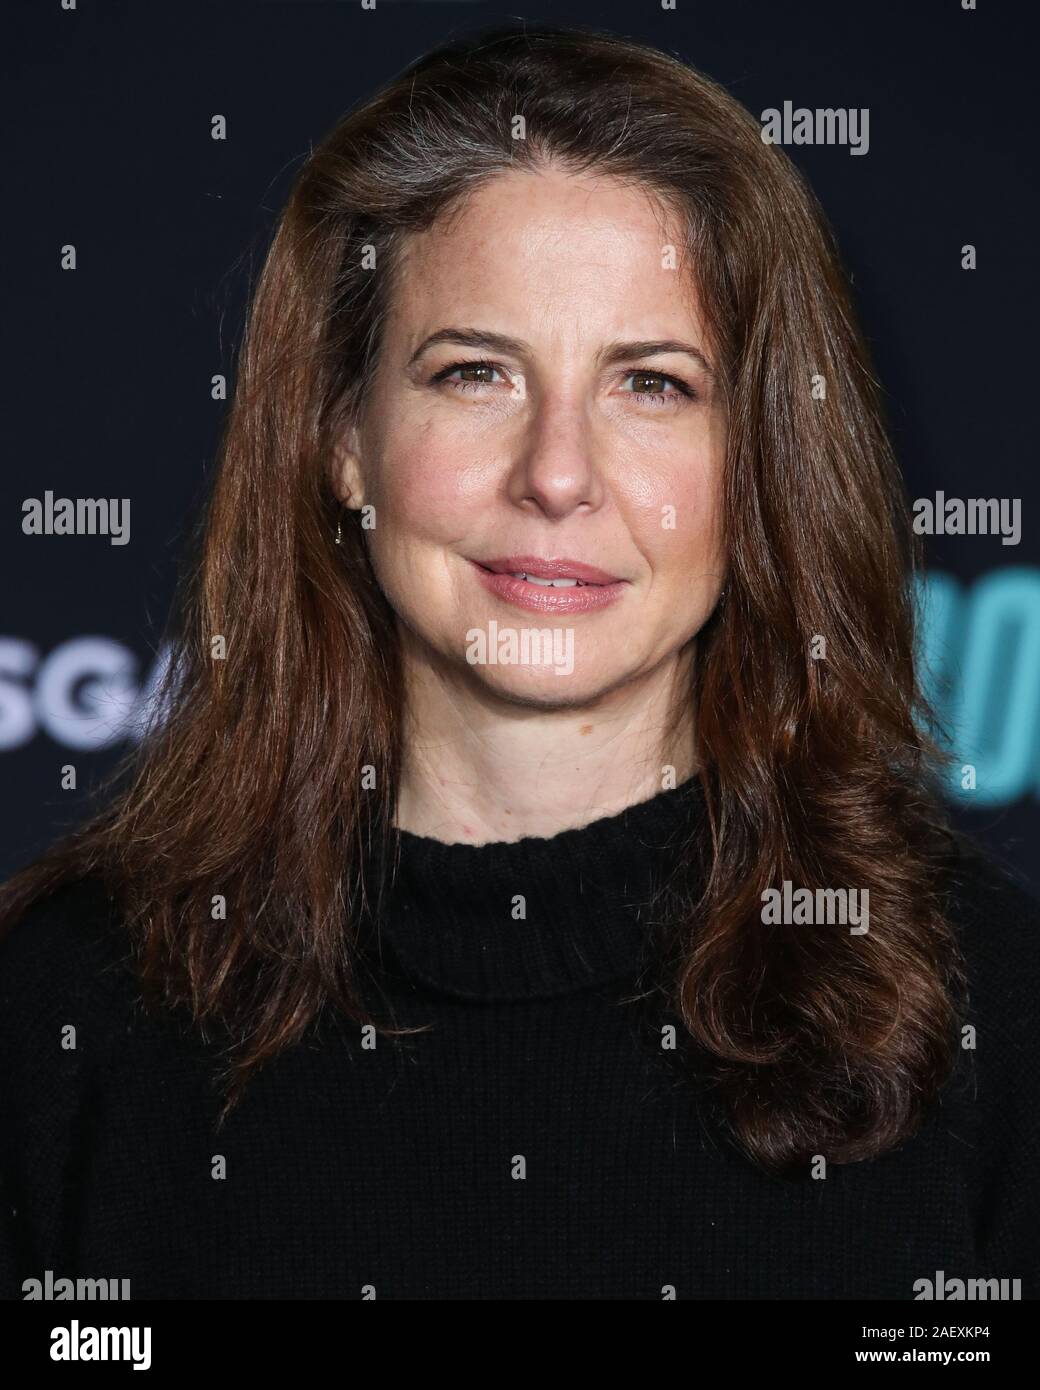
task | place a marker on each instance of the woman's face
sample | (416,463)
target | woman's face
(573,441)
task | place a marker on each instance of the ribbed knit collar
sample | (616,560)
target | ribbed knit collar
(539,916)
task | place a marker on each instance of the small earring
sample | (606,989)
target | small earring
(339,531)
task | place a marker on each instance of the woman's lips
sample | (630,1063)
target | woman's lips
(538,567)
(581,597)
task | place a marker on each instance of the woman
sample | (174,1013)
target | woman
(534,886)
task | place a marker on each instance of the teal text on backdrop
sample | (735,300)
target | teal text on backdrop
(979,645)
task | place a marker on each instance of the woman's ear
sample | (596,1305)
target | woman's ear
(347,479)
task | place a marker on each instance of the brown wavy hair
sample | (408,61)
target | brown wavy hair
(815,771)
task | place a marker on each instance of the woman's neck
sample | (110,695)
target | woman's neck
(479,767)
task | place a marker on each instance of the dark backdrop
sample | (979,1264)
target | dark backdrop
(107,112)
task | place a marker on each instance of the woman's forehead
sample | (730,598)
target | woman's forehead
(549,256)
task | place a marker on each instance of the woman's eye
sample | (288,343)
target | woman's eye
(649,387)
(474,375)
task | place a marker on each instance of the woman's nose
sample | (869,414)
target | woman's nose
(556,464)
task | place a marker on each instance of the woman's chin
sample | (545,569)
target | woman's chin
(547,686)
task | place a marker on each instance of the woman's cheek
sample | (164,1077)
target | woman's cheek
(421,479)
(669,503)
(418,509)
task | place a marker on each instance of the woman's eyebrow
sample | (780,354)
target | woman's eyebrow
(470,337)
(619,352)
(613,352)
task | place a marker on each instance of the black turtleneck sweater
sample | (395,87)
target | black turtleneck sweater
(535,1142)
